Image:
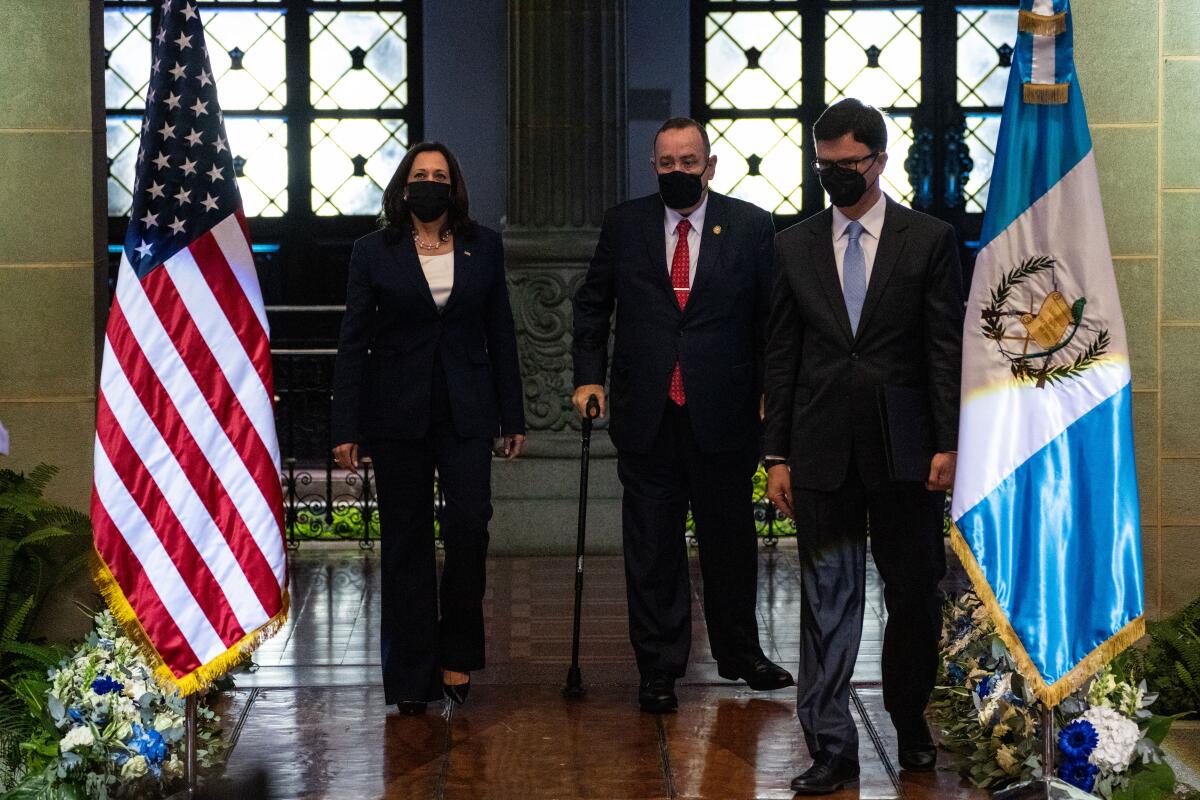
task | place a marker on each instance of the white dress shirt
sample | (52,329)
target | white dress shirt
(439,273)
(872,223)
(697,220)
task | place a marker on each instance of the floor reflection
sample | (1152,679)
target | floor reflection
(314,711)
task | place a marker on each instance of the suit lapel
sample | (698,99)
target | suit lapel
(891,245)
(710,243)
(827,274)
(410,271)
(654,228)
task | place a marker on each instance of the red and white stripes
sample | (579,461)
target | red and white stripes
(186,503)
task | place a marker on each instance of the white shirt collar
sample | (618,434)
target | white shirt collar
(872,221)
(696,217)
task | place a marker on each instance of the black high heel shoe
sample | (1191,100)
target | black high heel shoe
(411,708)
(457,694)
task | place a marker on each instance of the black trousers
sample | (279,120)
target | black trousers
(658,488)
(907,545)
(416,643)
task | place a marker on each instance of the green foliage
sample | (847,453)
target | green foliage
(1152,782)
(33,532)
(1171,662)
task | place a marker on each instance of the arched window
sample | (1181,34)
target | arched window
(321,99)
(763,70)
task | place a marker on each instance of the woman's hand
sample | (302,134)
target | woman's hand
(514,445)
(346,456)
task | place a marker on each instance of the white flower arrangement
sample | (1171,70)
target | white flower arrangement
(119,734)
(1118,735)
(987,717)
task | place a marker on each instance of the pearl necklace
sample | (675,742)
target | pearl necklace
(445,236)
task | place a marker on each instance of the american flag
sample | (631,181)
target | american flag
(186,500)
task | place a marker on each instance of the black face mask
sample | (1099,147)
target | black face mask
(680,189)
(845,186)
(428,200)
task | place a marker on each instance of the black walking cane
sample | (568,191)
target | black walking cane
(574,687)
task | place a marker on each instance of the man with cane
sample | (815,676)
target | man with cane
(689,272)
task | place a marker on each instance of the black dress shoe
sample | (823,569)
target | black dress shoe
(827,775)
(457,693)
(411,708)
(656,694)
(916,749)
(761,674)
(918,759)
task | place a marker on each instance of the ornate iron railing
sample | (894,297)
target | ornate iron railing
(325,503)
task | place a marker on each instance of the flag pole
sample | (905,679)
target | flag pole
(190,734)
(1048,737)
(1047,787)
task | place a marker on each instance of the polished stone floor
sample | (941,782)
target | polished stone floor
(312,714)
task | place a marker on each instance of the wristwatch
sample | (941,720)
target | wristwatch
(772,461)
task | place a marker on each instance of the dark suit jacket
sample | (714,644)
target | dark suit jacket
(718,340)
(823,383)
(392,332)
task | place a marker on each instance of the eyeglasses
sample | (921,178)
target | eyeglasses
(821,165)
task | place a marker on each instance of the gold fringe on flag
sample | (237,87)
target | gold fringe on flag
(202,677)
(1046,94)
(1042,24)
(1050,694)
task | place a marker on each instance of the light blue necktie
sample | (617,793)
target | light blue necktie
(854,275)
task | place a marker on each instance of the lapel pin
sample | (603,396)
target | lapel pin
(717,230)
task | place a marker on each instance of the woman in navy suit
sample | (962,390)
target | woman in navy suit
(426,377)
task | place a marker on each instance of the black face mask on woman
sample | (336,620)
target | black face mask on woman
(680,189)
(428,200)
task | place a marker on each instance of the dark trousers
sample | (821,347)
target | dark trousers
(906,543)
(415,643)
(658,487)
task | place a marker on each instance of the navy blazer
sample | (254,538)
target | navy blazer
(718,339)
(823,382)
(393,331)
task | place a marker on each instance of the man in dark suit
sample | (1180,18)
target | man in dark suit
(869,296)
(689,272)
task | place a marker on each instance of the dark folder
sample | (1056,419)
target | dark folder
(907,432)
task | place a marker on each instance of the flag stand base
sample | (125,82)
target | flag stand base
(1042,789)
(190,739)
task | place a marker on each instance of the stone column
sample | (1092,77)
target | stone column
(567,165)
(53,298)
(53,266)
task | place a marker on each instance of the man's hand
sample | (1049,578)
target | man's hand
(580,398)
(346,456)
(779,488)
(941,472)
(514,445)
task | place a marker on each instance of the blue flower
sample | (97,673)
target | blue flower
(75,714)
(149,743)
(985,686)
(1079,772)
(956,674)
(105,684)
(1078,740)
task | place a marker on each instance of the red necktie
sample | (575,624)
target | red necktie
(680,268)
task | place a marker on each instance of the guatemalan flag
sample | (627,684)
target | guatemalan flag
(186,500)
(1045,500)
